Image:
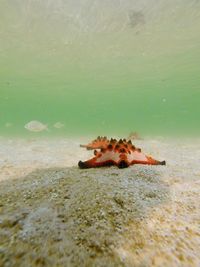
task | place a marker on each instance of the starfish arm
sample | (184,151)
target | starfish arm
(105,157)
(92,163)
(100,142)
(148,161)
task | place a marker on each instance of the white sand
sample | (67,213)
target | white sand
(54,214)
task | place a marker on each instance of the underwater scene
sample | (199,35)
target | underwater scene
(100,67)
(99,133)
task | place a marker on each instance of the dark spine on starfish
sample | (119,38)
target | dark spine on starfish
(82,165)
(162,162)
(122,164)
(110,147)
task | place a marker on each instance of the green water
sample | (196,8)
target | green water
(100,67)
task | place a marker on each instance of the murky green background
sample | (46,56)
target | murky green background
(100,66)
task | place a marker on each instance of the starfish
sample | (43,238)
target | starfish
(120,153)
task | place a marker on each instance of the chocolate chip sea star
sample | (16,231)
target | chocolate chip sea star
(120,153)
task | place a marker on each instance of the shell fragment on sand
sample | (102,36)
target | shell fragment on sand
(35,126)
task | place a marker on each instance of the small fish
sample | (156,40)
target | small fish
(58,125)
(8,124)
(35,126)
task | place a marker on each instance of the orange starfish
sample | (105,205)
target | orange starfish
(120,153)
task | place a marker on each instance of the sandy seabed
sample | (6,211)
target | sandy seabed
(54,214)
